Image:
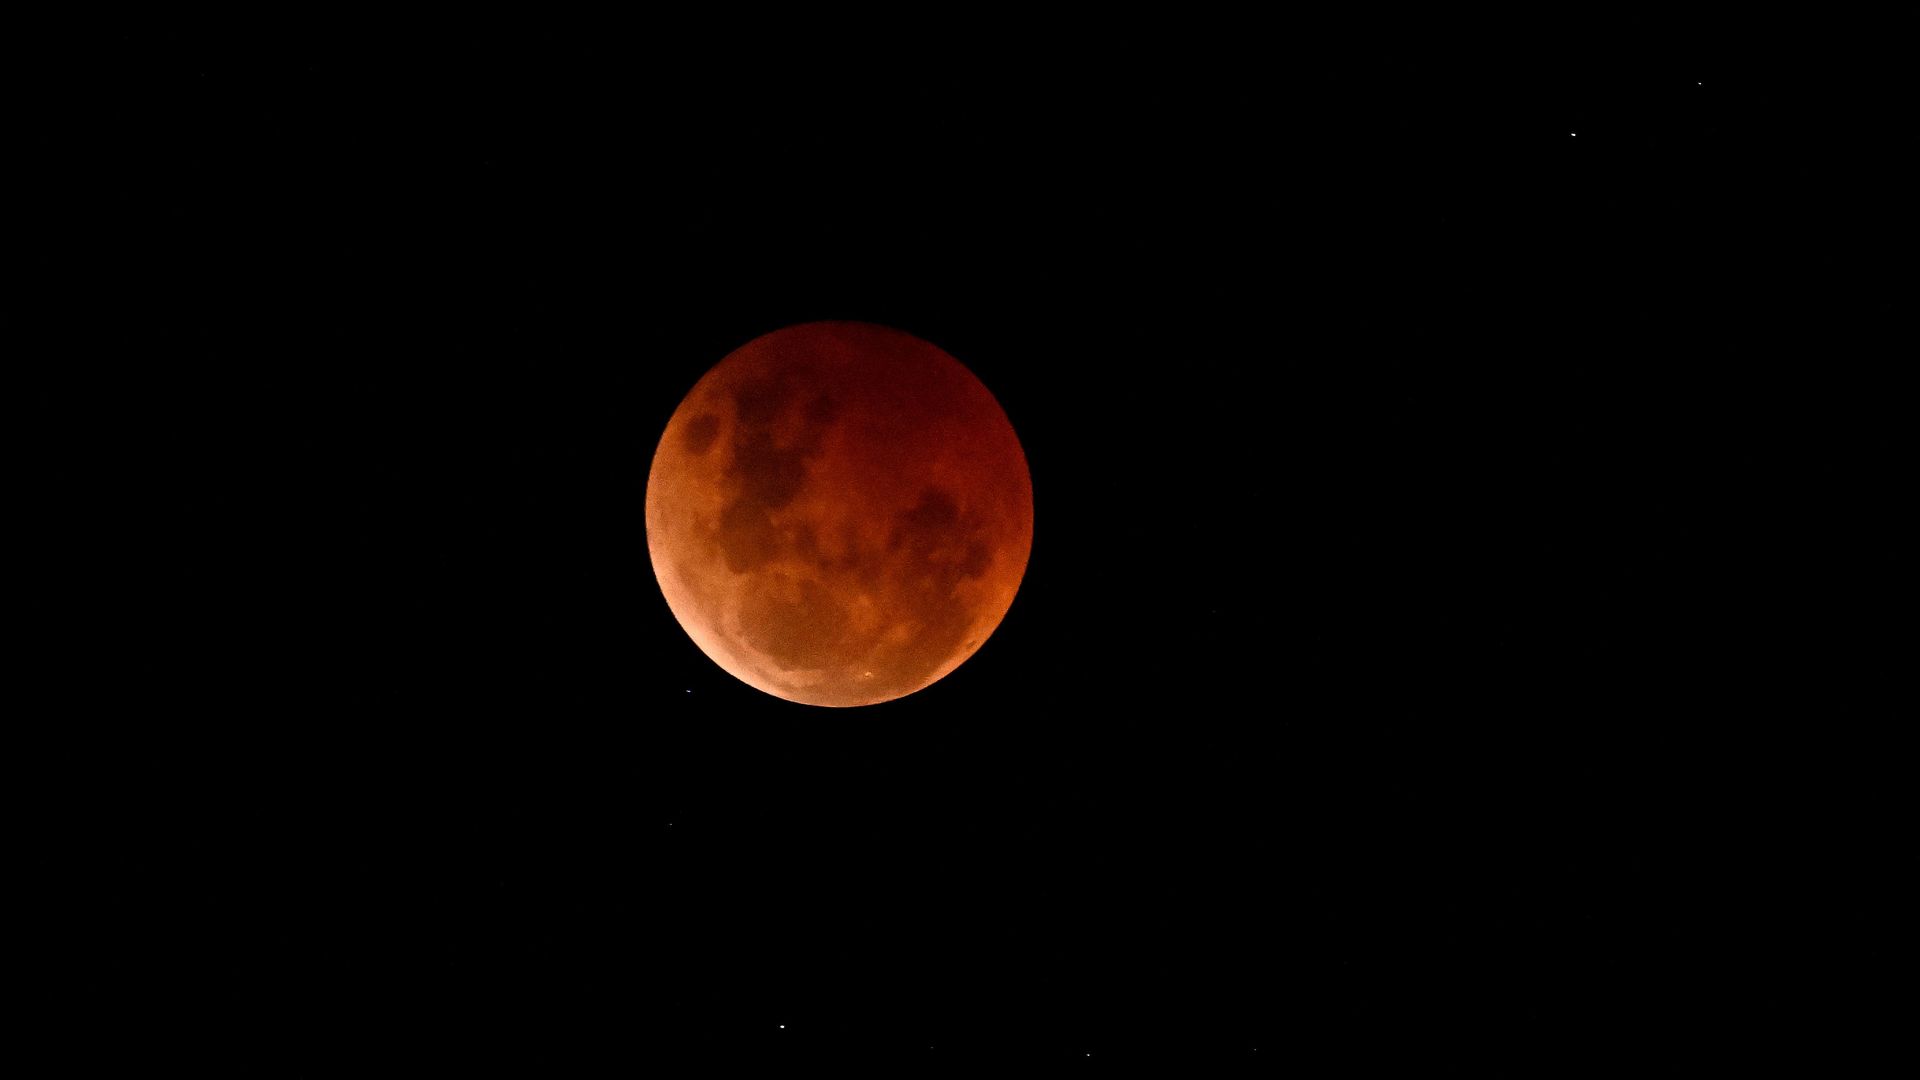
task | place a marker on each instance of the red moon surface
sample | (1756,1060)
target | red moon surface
(839,513)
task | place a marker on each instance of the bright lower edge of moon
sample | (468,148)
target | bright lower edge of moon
(839,514)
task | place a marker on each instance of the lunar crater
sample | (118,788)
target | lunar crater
(702,432)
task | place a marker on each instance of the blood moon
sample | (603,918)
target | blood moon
(839,513)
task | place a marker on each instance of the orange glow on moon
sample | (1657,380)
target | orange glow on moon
(839,513)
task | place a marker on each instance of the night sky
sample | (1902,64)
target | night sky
(1352,711)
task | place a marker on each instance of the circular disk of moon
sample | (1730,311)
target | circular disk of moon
(839,513)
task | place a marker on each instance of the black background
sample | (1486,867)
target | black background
(1384,410)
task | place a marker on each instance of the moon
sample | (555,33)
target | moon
(839,513)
